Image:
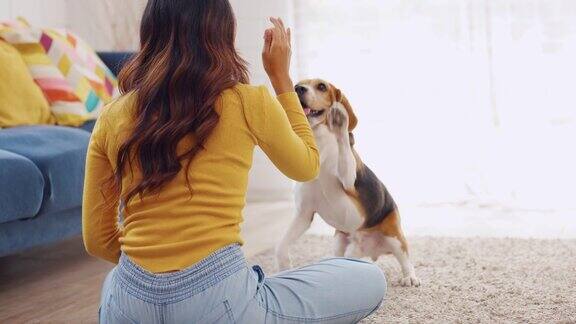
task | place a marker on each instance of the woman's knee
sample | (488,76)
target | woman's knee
(367,277)
(375,281)
(346,289)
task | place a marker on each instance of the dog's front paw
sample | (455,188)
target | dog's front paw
(338,120)
(283,261)
(410,281)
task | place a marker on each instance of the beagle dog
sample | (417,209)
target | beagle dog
(346,194)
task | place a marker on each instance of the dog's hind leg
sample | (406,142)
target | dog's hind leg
(342,240)
(396,243)
(353,251)
(408,274)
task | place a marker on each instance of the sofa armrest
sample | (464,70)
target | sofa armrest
(115,60)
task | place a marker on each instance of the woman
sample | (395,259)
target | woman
(175,151)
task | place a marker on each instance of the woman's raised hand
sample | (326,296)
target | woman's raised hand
(276,56)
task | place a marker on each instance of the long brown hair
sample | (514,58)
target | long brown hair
(187,58)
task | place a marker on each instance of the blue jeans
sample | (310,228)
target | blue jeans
(223,289)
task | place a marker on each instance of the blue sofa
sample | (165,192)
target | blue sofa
(41,180)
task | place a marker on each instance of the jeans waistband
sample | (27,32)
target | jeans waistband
(176,286)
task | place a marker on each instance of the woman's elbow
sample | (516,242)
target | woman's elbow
(97,248)
(306,177)
(102,252)
(308,173)
(92,245)
(92,248)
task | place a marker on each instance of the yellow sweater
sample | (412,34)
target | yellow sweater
(172,230)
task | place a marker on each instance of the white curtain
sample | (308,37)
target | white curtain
(459,101)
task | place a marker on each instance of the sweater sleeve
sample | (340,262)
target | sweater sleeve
(283,132)
(100,208)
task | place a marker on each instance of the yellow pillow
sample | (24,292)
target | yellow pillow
(21,100)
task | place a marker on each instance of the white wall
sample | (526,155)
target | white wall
(41,12)
(113,25)
(265,181)
(105,24)
(459,101)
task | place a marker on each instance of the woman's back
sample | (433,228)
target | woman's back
(176,149)
(199,210)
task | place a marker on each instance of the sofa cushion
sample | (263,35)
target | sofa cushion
(59,153)
(21,189)
(115,60)
(88,126)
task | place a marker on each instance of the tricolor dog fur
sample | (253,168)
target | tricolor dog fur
(346,194)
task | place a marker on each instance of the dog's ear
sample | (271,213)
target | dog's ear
(352,119)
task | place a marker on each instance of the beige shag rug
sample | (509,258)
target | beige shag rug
(469,280)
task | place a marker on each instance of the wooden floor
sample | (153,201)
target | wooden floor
(61,283)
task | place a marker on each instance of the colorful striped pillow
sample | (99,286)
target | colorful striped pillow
(56,89)
(74,80)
